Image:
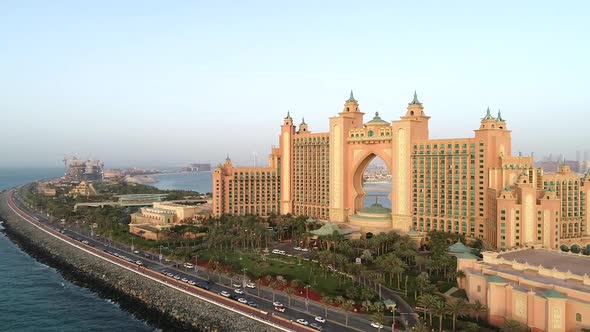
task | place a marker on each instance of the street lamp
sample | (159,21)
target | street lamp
(196,263)
(160,257)
(307,297)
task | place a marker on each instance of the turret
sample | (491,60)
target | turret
(351,104)
(288,121)
(415,109)
(303,127)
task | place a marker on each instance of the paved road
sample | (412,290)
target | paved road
(263,296)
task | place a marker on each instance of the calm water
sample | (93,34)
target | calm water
(32,297)
(198,181)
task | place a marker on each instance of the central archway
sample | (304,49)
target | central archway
(359,189)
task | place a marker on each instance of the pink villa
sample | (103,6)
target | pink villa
(545,289)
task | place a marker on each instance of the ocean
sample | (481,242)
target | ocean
(35,297)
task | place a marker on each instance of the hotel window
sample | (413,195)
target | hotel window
(578,317)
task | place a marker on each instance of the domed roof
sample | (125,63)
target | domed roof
(376,209)
(377,121)
(329,229)
(459,247)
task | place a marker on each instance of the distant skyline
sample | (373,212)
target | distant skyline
(148,83)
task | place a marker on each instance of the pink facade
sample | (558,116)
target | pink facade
(546,290)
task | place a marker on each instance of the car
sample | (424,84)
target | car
(282,252)
(302,321)
(289,255)
(252,304)
(297,248)
(237,284)
(164,272)
(233,297)
(188,265)
(139,263)
(305,250)
(316,326)
(177,277)
(239,291)
(146,255)
(250,285)
(275,251)
(224,293)
(192,283)
(277,304)
(320,319)
(376,325)
(170,275)
(206,287)
(136,251)
(280,309)
(184,280)
(242,300)
(167,260)
(85,241)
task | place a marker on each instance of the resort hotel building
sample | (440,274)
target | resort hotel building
(472,186)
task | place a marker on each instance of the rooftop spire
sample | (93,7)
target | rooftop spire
(351,98)
(499,116)
(303,121)
(288,115)
(488,115)
(227,158)
(415,101)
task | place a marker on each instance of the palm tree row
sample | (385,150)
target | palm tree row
(435,306)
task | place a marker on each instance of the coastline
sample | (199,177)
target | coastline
(161,307)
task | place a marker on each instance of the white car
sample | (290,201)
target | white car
(305,250)
(250,285)
(188,265)
(184,280)
(136,251)
(377,325)
(281,252)
(237,284)
(277,304)
(239,291)
(192,283)
(297,248)
(177,277)
(320,319)
(302,321)
(242,300)
(224,293)
(275,251)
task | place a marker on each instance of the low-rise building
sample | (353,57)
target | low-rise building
(547,290)
(83,189)
(152,222)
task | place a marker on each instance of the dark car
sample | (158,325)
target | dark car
(233,297)
(316,326)
(252,304)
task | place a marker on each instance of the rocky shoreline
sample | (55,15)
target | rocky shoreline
(162,307)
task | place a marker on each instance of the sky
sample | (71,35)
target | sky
(165,83)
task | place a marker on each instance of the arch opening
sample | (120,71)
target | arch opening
(372,183)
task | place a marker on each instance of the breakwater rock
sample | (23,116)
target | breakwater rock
(161,306)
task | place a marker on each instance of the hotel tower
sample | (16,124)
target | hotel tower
(472,186)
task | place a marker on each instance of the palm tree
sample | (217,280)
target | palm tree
(478,308)
(421,327)
(460,275)
(457,308)
(511,325)
(290,291)
(347,307)
(379,318)
(427,301)
(274,285)
(439,309)
(326,301)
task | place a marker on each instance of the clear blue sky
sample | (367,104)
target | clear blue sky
(172,82)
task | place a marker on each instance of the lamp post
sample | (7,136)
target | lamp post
(393,312)
(160,257)
(132,246)
(307,297)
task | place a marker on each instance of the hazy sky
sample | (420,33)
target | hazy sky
(172,82)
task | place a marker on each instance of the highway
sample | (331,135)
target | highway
(153,268)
